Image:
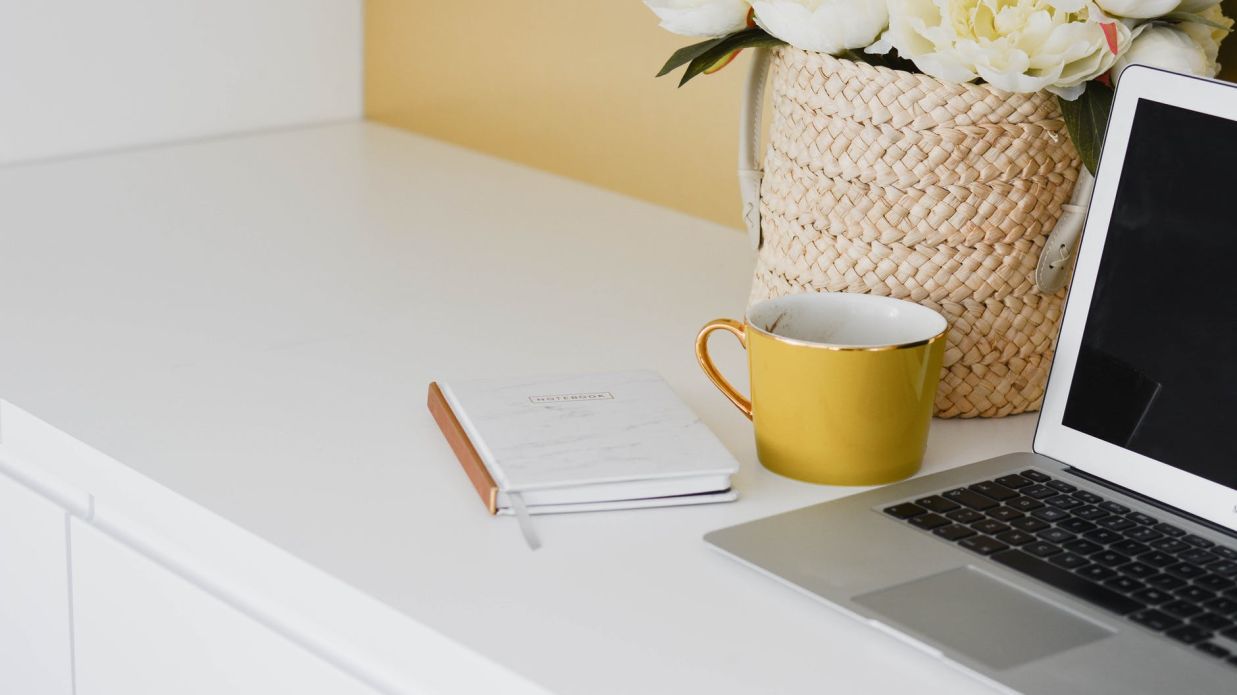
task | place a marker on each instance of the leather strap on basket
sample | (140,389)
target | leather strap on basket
(749,143)
(1055,260)
(1057,257)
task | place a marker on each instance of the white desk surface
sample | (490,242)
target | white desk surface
(253,322)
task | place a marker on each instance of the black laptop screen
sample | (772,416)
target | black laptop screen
(1157,368)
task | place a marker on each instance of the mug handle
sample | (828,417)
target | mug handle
(710,370)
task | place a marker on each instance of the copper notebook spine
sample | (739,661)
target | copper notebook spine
(463,448)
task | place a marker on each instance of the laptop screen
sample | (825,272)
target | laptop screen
(1157,367)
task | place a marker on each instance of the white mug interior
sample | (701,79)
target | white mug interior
(843,320)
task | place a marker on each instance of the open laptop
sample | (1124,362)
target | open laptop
(1105,561)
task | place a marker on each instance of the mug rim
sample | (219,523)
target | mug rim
(851,296)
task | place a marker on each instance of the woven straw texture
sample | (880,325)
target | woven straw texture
(886,182)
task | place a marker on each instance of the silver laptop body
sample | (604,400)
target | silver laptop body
(1106,562)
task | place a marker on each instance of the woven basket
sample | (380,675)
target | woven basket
(886,182)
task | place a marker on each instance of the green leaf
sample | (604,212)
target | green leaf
(748,38)
(1086,118)
(1191,17)
(889,60)
(685,54)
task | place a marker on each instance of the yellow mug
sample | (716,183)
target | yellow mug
(842,385)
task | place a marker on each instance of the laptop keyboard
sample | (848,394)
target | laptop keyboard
(1126,562)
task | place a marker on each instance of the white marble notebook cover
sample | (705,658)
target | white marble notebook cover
(576,430)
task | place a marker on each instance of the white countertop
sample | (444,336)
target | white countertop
(253,321)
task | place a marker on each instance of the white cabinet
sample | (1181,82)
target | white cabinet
(141,630)
(35,638)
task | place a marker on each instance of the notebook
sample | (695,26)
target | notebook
(581,443)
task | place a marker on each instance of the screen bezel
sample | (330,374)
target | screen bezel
(1142,474)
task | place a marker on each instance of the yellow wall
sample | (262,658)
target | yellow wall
(567,86)
(562,85)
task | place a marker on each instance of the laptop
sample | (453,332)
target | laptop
(1106,560)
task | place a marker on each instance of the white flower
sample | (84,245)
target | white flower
(1015,45)
(826,26)
(1138,9)
(1148,9)
(1197,6)
(1169,48)
(1208,37)
(700,17)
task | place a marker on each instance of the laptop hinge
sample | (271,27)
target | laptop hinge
(1151,501)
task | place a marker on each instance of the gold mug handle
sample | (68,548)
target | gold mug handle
(711,371)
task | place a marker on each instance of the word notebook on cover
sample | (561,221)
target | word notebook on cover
(581,443)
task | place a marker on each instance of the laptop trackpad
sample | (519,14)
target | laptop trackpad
(990,621)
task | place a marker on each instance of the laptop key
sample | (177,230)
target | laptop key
(1090,512)
(1214,582)
(1049,514)
(1103,536)
(1157,558)
(1115,523)
(1063,502)
(1076,525)
(1155,620)
(905,510)
(1143,534)
(1180,608)
(990,527)
(1056,535)
(928,522)
(1129,547)
(954,532)
(1003,513)
(1088,497)
(1193,593)
(1226,568)
(1152,596)
(1170,545)
(1082,546)
(1169,530)
(1114,508)
(1036,476)
(1138,570)
(1038,492)
(1069,560)
(1024,504)
(1124,584)
(1013,480)
(994,490)
(1212,649)
(1060,486)
(936,503)
(1097,573)
(1041,549)
(1015,537)
(1188,634)
(982,545)
(965,516)
(1212,621)
(1144,519)
(1224,606)
(1067,581)
(1185,570)
(1198,541)
(1198,556)
(970,498)
(1167,582)
(1029,524)
(1226,553)
(1109,558)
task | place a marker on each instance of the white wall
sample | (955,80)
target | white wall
(90,75)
